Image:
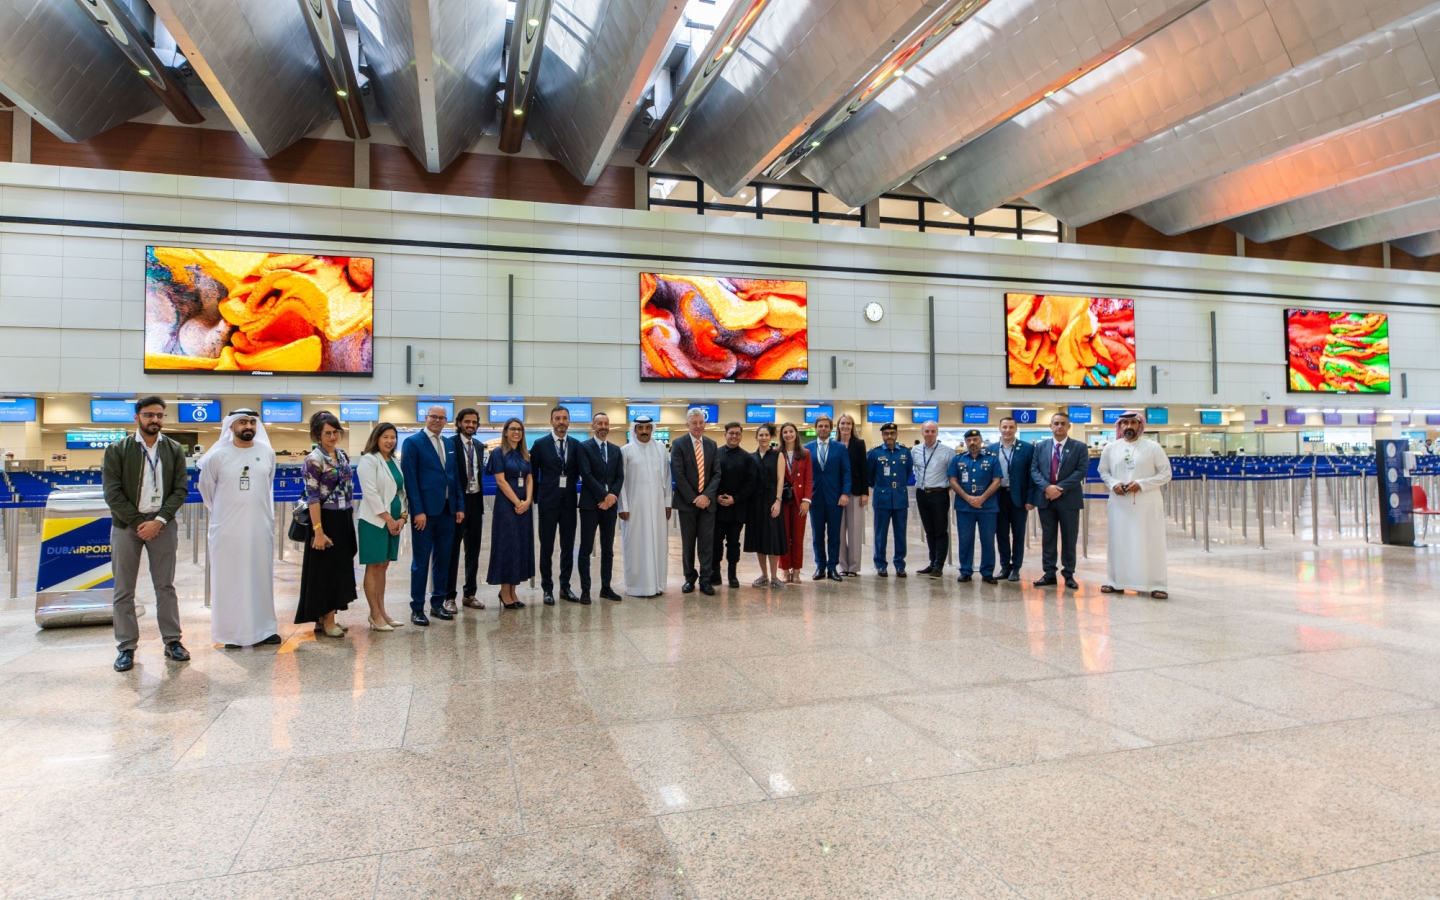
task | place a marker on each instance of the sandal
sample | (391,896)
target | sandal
(760,582)
(1159,595)
(1107,589)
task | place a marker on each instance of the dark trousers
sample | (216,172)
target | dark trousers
(697,538)
(886,519)
(550,520)
(727,543)
(603,519)
(468,534)
(1067,523)
(825,520)
(966,522)
(430,559)
(934,507)
(1010,534)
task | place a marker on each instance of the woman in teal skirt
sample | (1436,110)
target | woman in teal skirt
(382,517)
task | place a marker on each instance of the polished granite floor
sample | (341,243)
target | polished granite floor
(1269,732)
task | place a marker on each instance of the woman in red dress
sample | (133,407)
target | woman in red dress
(797,504)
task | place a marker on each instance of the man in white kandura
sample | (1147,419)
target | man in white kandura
(237,482)
(644,511)
(1134,469)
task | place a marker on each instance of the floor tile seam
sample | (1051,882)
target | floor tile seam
(727,663)
(259,813)
(1281,658)
(738,758)
(1318,876)
(694,889)
(1285,659)
(929,737)
(515,785)
(1255,706)
(953,841)
(227,874)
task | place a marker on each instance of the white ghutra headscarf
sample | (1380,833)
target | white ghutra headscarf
(227,436)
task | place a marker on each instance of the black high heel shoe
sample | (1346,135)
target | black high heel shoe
(516,605)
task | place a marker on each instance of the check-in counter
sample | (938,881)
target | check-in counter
(75,584)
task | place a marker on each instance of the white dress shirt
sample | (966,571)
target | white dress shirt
(474,462)
(152,495)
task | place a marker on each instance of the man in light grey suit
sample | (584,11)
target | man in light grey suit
(695,465)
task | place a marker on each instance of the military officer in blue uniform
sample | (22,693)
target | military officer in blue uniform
(889,466)
(975,479)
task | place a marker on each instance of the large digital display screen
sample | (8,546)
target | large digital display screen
(236,311)
(112,410)
(282,412)
(1080,342)
(422,408)
(975,415)
(699,328)
(93,440)
(919,415)
(1337,352)
(813,413)
(758,414)
(18,409)
(198,412)
(351,411)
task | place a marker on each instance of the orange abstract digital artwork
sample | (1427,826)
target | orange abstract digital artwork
(1058,341)
(700,328)
(241,311)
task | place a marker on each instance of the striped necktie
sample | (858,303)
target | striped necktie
(700,461)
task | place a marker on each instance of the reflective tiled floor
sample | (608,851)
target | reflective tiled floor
(1269,732)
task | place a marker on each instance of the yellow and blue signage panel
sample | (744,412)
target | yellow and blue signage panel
(75,555)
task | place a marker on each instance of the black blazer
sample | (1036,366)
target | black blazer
(686,476)
(859,468)
(545,462)
(599,475)
(462,477)
(738,476)
(1074,464)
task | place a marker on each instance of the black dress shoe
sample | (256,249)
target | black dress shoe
(819,575)
(607,594)
(1014,576)
(707,588)
(899,573)
(835,576)
(442,613)
(272,639)
(937,572)
(1004,573)
(176,651)
(687,588)
(989,579)
(568,594)
(734,582)
(583,599)
(1072,584)
(925,571)
(963,578)
(549,599)
(882,573)
(419,618)
(125,661)
(1045,581)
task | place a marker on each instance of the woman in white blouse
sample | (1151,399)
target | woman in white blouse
(382,517)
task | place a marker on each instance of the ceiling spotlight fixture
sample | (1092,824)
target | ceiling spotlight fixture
(899,72)
(943,157)
(814,143)
(728,49)
(674,128)
(1049,94)
(519,112)
(532,22)
(342,93)
(145,72)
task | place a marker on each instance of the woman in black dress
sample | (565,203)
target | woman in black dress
(512,536)
(765,527)
(327,571)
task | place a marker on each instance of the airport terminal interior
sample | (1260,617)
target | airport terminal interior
(1201,235)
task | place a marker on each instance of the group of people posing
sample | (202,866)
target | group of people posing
(729,501)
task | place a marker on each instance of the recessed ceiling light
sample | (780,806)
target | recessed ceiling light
(943,157)
(814,143)
(728,49)
(145,72)
(674,128)
(1049,93)
(533,23)
(519,112)
(342,93)
(899,72)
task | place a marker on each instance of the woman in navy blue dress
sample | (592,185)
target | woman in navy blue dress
(512,535)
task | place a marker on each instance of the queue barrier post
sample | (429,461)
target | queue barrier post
(1205,488)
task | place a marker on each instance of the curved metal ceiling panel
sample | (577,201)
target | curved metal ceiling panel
(63,71)
(1214,53)
(1427,244)
(797,61)
(1374,146)
(436,68)
(1005,58)
(1417,218)
(1370,196)
(256,58)
(1381,72)
(599,56)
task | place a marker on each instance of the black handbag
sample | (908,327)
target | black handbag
(301,529)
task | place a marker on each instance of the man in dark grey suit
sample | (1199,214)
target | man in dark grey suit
(695,466)
(1058,471)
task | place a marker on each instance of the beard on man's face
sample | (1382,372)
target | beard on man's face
(1131,434)
(247,434)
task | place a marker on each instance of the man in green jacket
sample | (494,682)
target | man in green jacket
(145,486)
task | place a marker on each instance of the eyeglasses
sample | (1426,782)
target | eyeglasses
(153,417)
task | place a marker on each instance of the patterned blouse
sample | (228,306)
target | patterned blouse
(329,478)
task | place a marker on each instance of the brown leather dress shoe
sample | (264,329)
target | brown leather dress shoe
(449,606)
(474,603)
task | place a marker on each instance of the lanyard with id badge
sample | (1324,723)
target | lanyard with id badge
(154,463)
(245,479)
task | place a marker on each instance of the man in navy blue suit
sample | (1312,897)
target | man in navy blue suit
(1016,490)
(555,459)
(602,474)
(1057,470)
(830,494)
(427,464)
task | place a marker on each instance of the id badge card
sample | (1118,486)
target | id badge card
(244,482)
(887,471)
(563,481)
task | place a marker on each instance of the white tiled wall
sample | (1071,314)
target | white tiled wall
(71,298)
